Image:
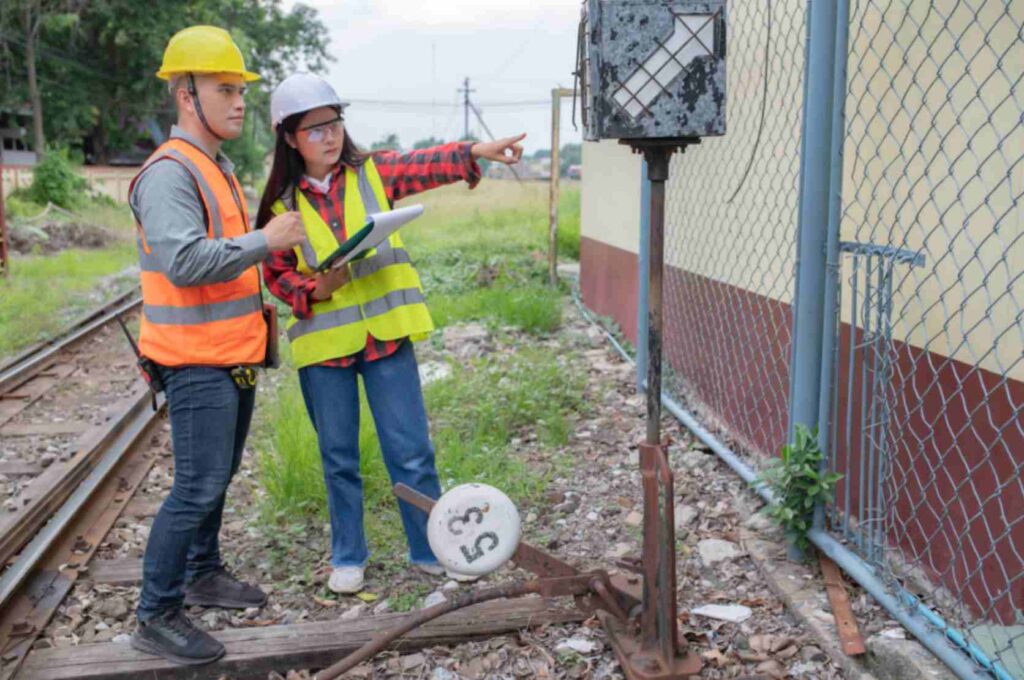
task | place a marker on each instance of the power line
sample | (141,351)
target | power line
(443,105)
(465,92)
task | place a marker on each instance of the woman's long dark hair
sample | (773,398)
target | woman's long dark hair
(288,166)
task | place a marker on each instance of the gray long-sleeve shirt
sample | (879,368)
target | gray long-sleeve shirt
(166,202)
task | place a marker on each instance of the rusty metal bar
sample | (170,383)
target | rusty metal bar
(578,585)
(657,654)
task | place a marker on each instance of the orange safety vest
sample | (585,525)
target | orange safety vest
(216,324)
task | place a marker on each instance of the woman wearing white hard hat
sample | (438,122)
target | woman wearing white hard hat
(360,318)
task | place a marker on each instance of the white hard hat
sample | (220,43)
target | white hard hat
(299,93)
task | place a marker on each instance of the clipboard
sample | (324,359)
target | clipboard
(378,227)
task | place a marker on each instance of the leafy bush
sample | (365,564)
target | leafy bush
(798,485)
(55,181)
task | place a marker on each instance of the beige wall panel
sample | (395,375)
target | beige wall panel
(935,164)
(610,195)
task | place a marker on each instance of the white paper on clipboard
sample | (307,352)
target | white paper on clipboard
(384,224)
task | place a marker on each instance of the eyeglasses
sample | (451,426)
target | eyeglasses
(318,133)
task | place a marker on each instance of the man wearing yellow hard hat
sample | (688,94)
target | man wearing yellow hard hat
(203,331)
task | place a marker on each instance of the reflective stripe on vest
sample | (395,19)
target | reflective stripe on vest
(347,315)
(214,311)
(217,324)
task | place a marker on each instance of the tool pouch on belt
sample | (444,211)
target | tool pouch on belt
(244,377)
(270,360)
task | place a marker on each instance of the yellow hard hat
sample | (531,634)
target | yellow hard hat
(203,49)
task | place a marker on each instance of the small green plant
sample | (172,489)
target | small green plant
(798,485)
(55,181)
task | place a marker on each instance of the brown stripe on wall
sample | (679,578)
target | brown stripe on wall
(956,436)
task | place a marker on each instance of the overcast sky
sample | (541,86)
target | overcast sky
(419,51)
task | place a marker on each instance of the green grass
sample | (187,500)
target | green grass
(474,414)
(482,256)
(42,294)
(534,308)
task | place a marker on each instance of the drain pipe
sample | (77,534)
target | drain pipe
(944,641)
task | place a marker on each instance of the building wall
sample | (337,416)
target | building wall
(932,164)
(610,232)
(112,181)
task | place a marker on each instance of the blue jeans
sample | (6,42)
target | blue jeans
(209,422)
(396,400)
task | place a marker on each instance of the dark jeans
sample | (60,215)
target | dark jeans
(396,400)
(209,422)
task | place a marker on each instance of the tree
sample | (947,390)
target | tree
(570,154)
(97,72)
(32,14)
(427,143)
(389,142)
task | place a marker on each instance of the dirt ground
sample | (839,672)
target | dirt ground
(590,518)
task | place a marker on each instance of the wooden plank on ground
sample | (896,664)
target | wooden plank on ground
(842,611)
(44,429)
(115,572)
(254,652)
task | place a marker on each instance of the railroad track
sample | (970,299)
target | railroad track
(84,385)
(34,360)
(56,519)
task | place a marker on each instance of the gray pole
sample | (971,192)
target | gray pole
(830,320)
(815,174)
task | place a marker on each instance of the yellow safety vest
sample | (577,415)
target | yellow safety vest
(384,297)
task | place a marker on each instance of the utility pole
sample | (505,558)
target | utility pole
(5,263)
(556,141)
(466,106)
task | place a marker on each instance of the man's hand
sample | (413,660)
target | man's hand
(507,150)
(285,231)
(330,281)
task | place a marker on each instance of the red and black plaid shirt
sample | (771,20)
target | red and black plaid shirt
(403,174)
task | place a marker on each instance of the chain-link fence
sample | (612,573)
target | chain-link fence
(927,422)
(927,358)
(730,241)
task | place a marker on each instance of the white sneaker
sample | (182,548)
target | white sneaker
(430,569)
(461,578)
(346,580)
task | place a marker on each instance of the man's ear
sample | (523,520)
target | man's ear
(184,100)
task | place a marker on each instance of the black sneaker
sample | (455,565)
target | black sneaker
(173,636)
(221,589)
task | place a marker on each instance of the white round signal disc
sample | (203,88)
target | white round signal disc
(473,529)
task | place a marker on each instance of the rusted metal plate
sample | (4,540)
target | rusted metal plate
(849,635)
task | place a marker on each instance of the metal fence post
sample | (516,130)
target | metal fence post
(642,270)
(813,216)
(829,327)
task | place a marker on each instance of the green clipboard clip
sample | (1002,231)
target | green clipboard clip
(378,227)
(347,247)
